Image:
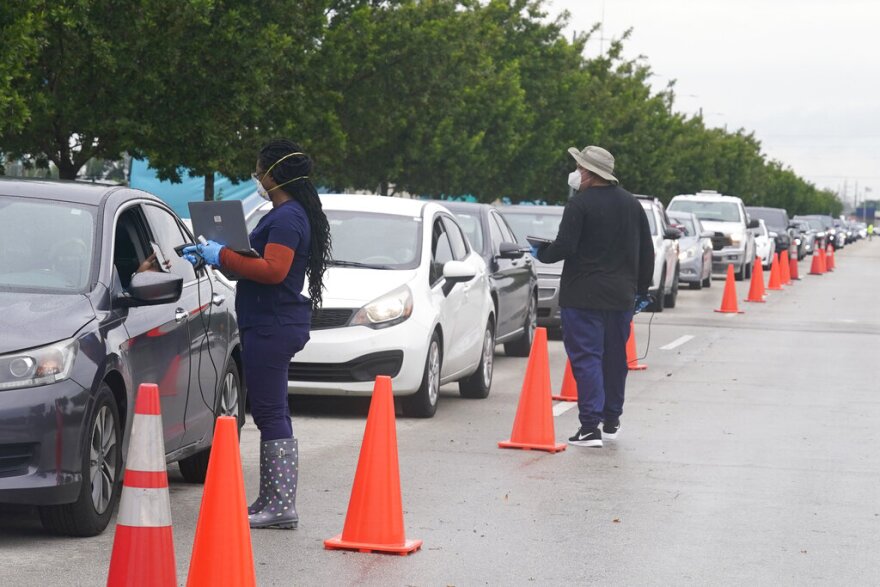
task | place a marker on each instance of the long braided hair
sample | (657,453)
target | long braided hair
(303,191)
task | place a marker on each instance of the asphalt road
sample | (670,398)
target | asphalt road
(749,454)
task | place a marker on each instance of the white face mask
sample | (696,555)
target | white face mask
(261,190)
(574,180)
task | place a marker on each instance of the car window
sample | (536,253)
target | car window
(456,239)
(509,235)
(57,257)
(472,227)
(497,236)
(686,223)
(441,251)
(387,241)
(168,234)
(130,243)
(712,211)
(652,220)
(537,223)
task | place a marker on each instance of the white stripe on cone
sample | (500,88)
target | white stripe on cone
(144,508)
(147,445)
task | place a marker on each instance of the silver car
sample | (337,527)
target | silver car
(695,250)
(540,221)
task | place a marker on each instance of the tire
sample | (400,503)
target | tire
(698,285)
(230,402)
(522,346)
(741,274)
(478,385)
(657,306)
(423,403)
(670,298)
(89,514)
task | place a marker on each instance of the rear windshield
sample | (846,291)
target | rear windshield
(538,224)
(711,211)
(773,218)
(45,245)
(651,220)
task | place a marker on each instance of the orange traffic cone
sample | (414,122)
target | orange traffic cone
(632,359)
(374,522)
(793,268)
(222,553)
(728,300)
(784,268)
(143,548)
(829,259)
(569,391)
(823,261)
(533,425)
(756,287)
(816,265)
(775,279)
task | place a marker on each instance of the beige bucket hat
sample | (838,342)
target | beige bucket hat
(597,160)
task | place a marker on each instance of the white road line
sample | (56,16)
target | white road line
(677,342)
(563,407)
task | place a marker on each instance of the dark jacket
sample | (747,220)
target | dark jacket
(605,240)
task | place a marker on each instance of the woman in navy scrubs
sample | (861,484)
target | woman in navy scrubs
(274,316)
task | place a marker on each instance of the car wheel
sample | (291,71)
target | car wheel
(657,305)
(477,386)
(522,346)
(423,403)
(697,284)
(741,274)
(101,475)
(670,298)
(230,402)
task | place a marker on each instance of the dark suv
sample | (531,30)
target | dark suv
(85,318)
(780,228)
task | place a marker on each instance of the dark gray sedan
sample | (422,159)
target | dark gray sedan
(512,277)
(93,302)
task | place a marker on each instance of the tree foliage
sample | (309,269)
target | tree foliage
(430,97)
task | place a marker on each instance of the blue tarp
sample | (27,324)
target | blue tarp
(192,189)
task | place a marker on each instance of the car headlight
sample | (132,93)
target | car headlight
(686,254)
(35,367)
(774,234)
(736,238)
(387,310)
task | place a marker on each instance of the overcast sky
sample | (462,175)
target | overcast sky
(803,75)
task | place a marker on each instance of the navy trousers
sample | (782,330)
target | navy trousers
(595,341)
(266,353)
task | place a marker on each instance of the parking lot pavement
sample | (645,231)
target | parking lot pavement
(748,454)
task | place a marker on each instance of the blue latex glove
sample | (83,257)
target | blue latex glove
(641,302)
(534,251)
(209,251)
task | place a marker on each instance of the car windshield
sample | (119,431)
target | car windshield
(687,223)
(712,211)
(472,227)
(773,218)
(814,223)
(539,224)
(652,222)
(45,245)
(369,240)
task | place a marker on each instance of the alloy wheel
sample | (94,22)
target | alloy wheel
(488,356)
(229,396)
(433,373)
(102,459)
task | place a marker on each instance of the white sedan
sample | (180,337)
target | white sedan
(406,296)
(765,244)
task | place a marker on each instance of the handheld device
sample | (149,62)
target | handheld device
(538,242)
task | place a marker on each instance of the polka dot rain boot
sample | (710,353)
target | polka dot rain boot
(263,498)
(282,471)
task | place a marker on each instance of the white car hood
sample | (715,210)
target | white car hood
(726,228)
(348,287)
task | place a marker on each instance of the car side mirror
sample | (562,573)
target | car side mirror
(511,251)
(753,224)
(456,272)
(151,288)
(672,233)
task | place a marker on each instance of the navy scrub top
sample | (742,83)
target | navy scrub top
(259,304)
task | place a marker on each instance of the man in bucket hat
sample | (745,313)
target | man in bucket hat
(605,239)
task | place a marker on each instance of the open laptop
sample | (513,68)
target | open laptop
(222,222)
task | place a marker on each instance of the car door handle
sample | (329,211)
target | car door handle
(180,315)
(218,299)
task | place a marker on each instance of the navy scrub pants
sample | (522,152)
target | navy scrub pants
(595,341)
(266,352)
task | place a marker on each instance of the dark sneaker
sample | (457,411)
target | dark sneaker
(610,429)
(587,437)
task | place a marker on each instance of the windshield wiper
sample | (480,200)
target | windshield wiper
(338,263)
